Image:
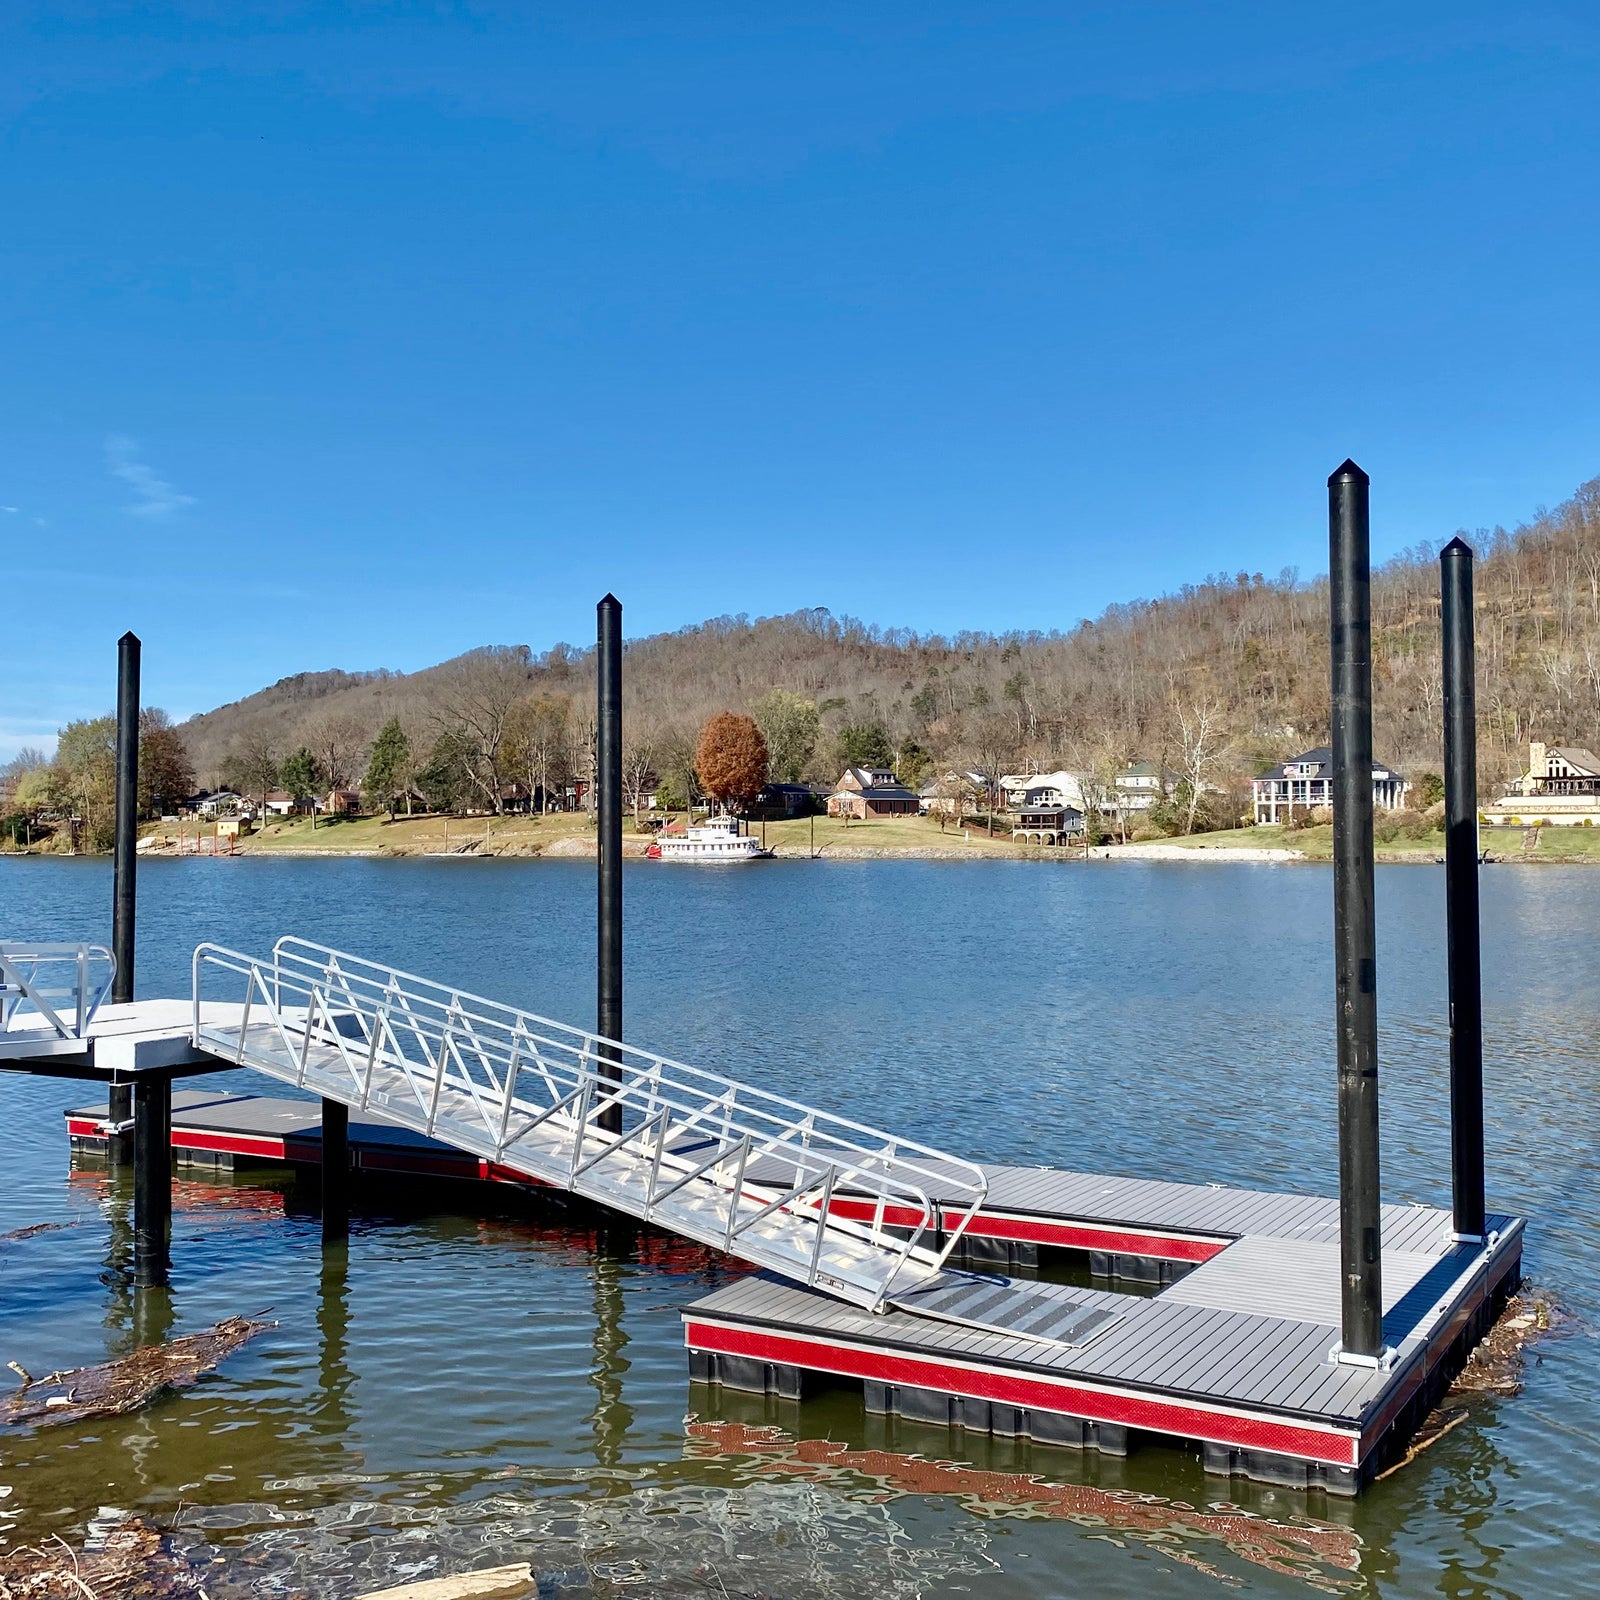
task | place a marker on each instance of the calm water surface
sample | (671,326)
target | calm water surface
(479,1379)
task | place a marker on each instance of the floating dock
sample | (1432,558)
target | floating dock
(1232,1355)
(1236,1356)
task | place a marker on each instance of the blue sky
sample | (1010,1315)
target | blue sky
(359,335)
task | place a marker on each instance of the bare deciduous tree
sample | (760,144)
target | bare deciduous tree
(339,742)
(638,764)
(1199,732)
(476,697)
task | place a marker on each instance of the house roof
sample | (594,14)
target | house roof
(878,791)
(1576,756)
(1320,757)
(859,780)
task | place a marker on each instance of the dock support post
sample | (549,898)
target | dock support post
(1354,920)
(152,1179)
(335,1169)
(1461,890)
(608,779)
(124,869)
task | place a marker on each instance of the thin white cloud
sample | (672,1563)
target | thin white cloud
(10,511)
(153,495)
(26,733)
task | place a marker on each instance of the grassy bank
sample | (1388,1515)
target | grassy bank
(567,832)
(573,834)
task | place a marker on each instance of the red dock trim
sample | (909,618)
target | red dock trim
(867,1210)
(1080,1235)
(308,1152)
(1075,1235)
(1240,1430)
(236,1144)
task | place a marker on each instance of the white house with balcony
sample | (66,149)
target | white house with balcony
(1306,782)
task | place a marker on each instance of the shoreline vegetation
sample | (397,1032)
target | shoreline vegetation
(571,834)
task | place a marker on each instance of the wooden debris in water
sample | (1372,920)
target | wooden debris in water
(34,1228)
(1495,1367)
(129,1562)
(115,1387)
(497,1583)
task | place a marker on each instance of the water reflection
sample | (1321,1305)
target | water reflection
(1318,1553)
(335,1380)
(612,1417)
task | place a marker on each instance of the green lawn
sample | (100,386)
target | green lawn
(411,835)
(891,833)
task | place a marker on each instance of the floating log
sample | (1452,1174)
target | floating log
(113,1387)
(496,1583)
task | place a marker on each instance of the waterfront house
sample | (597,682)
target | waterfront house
(1044,824)
(1306,783)
(212,803)
(1139,785)
(951,794)
(1033,791)
(1561,788)
(342,802)
(778,800)
(280,803)
(867,793)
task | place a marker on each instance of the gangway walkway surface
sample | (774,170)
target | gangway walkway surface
(730,1166)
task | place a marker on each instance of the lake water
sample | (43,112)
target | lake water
(486,1378)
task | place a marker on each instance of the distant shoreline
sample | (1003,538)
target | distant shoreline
(569,847)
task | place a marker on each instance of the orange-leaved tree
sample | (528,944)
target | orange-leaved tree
(730,759)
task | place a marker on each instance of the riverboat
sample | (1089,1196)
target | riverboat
(717,839)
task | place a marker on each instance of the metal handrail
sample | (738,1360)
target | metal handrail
(24,987)
(698,1152)
(950,1170)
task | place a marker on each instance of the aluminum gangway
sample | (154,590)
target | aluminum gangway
(740,1169)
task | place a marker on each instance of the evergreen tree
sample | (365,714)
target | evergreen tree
(301,775)
(389,769)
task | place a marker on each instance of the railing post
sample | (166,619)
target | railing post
(124,871)
(1354,920)
(608,777)
(1461,890)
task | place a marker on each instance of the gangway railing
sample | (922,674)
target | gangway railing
(49,993)
(738,1168)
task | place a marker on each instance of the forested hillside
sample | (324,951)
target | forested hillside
(1216,681)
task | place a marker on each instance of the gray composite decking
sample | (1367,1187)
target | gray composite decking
(1255,1332)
